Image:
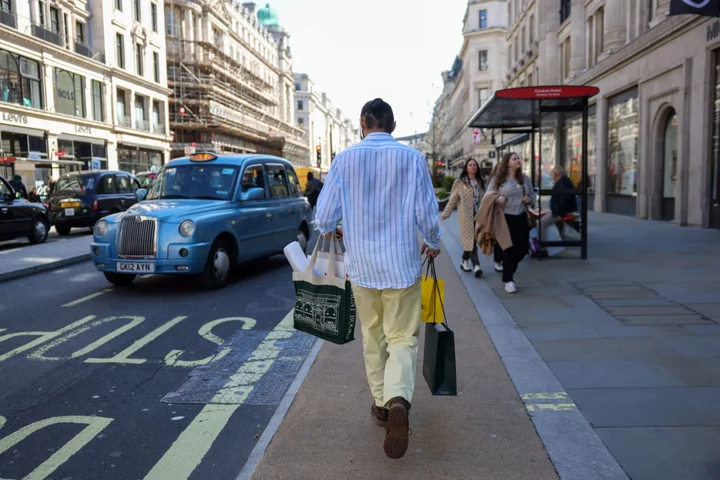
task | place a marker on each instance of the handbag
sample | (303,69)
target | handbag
(324,304)
(432,295)
(439,366)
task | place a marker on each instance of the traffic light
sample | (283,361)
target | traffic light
(319,154)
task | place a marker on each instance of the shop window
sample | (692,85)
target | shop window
(98,101)
(623,144)
(69,93)
(20,80)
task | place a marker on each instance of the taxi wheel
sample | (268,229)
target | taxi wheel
(63,229)
(119,279)
(40,232)
(218,266)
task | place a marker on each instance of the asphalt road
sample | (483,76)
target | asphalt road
(158,381)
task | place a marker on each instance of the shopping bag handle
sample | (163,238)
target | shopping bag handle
(332,256)
(431,273)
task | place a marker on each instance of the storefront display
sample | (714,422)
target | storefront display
(622,157)
(136,160)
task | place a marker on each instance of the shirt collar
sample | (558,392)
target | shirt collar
(378,136)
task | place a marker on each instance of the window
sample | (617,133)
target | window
(301,121)
(622,145)
(156,117)
(124,185)
(69,93)
(482,60)
(122,115)
(55,19)
(278,182)
(483,18)
(298,87)
(118,5)
(532,28)
(171,24)
(120,50)
(139,59)
(156,66)
(41,13)
(253,177)
(154,16)
(98,101)
(20,80)
(140,118)
(300,105)
(107,185)
(564,10)
(293,182)
(66,30)
(482,94)
(523,45)
(80,32)
(565,59)
(136,11)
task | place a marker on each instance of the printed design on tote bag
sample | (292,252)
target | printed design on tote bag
(319,311)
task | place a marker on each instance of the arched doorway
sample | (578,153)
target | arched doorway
(670,165)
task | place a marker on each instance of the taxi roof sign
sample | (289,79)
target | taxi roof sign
(202,157)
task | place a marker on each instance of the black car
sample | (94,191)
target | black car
(20,218)
(80,199)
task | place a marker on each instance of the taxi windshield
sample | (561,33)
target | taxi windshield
(199,182)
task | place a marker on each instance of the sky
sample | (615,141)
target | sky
(359,50)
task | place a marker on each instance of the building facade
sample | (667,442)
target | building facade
(230,68)
(654,129)
(82,86)
(327,130)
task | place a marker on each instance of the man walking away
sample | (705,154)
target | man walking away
(312,189)
(17,184)
(382,191)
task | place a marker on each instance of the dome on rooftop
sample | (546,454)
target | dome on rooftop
(267,16)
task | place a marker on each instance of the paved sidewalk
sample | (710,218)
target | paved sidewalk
(20,259)
(483,433)
(630,338)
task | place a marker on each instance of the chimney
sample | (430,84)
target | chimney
(250,7)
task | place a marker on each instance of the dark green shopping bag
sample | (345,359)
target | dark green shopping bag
(324,304)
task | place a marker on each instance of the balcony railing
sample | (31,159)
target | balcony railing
(143,125)
(8,18)
(85,50)
(159,128)
(124,121)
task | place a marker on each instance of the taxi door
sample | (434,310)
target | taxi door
(254,228)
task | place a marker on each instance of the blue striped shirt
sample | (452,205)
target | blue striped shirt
(382,191)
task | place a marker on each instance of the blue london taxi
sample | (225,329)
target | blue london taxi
(202,215)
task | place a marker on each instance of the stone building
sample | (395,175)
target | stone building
(82,86)
(230,68)
(654,137)
(328,131)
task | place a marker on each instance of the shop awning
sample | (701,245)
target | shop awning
(518,108)
(78,138)
(22,130)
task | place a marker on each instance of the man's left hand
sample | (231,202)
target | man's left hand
(338,233)
(430,252)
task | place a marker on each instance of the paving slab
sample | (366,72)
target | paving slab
(710,310)
(635,302)
(664,320)
(696,372)
(704,330)
(708,347)
(666,453)
(614,374)
(31,259)
(656,310)
(603,349)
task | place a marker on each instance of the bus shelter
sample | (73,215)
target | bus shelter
(546,126)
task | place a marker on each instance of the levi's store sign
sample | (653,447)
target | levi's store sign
(545,92)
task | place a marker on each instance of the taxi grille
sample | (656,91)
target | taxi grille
(137,237)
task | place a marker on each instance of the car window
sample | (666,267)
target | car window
(5,189)
(253,177)
(107,185)
(201,182)
(293,182)
(74,184)
(278,182)
(123,184)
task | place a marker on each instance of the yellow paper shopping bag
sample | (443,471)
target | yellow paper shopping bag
(433,298)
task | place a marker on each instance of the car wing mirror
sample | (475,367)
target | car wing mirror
(141,193)
(255,193)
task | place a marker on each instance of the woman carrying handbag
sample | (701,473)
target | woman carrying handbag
(465,195)
(516,194)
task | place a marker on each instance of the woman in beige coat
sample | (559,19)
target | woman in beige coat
(466,194)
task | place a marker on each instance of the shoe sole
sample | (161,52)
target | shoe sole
(397,438)
(478,274)
(378,422)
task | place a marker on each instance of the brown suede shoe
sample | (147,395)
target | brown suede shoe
(397,432)
(379,415)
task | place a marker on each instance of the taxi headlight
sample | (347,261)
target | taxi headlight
(101,228)
(187,228)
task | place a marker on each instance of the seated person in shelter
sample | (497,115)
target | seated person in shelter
(561,204)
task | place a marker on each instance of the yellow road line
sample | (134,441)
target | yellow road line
(192,445)
(554,407)
(89,297)
(545,396)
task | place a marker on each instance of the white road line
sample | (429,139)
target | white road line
(195,441)
(89,297)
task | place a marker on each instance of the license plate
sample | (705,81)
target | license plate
(70,204)
(135,267)
(69,212)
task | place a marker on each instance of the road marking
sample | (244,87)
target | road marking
(43,337)
(195,441)
(554,407)
(39,354)
(205,331)
(548,402)
(95,425)
(89,297)
(123,357)
(2,421)
(545,396)
(10,251)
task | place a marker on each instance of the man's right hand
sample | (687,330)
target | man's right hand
(430,252)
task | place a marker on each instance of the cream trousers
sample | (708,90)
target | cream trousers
(390,327)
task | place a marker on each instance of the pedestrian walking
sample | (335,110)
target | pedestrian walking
(312,189)
(465,195)
(383,193)
(515,194)
(17,184)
